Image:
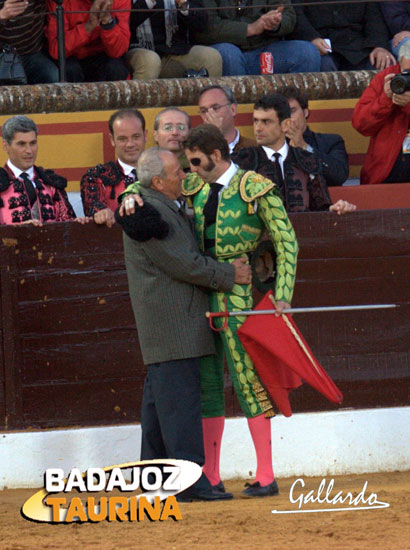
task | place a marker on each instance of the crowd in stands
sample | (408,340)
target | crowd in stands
(302,163)
(143,39)
(301,170)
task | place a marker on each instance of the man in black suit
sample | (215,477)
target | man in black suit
(329,149)
(357,33)
(295,170)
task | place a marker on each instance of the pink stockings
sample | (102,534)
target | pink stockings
(260,429)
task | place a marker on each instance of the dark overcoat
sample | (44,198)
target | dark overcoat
(167,281)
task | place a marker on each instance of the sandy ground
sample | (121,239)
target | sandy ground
(235,525)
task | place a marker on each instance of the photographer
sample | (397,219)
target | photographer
(385,116)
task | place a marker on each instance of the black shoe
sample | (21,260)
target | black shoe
(219,488)
(191,496)
(256,490)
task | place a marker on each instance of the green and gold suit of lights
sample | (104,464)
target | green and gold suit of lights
(247,207)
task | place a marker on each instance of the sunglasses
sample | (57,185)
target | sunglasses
(195,161)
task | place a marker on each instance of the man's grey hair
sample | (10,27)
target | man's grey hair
(227,91)
(169,110)
(18,123)
(404,50)
(151,164)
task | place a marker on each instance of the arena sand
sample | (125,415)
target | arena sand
(236,525)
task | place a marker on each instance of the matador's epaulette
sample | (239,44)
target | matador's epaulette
(192,184)
(252,186)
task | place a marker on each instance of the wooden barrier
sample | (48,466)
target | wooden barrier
(69,350)
(372,197)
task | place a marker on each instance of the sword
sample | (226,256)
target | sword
(211,315)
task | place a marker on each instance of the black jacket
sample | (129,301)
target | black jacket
(354,29)
(332,156)
(397,16)
(181,40)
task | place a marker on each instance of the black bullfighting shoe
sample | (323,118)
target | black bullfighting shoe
(256,489)
(204,495)
(219,488)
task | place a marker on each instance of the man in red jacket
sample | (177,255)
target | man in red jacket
(95,40)
(385,117)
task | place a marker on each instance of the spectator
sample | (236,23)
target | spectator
(329,148)
(101,185)
(296,171)
(22,26)
(397,17)
(95,41)
(217,106)
(28,193)
(241,33)
(357,32)
(171,127)
(161,45)
(385,117)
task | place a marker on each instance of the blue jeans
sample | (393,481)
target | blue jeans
(39,68)
(289,56)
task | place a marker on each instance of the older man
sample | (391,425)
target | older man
(167,276)
(385,117)
(101,185)
(28,193)
(217,106)
(171,127)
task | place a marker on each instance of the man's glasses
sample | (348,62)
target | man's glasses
(171,127)
(216,108)
(195,161)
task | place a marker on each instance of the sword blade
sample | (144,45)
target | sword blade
(306,310)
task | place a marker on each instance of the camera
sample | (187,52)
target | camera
(192,73)
(400,83)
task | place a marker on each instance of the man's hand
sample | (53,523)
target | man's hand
(128,204)
(267,22)
(243,271)
(37,223)
(381,58)
(104,217)
(82,220)
(387,87)
(397,38)
(273,19)
(12,8)
(94,16)
(295,135)
(342,207)
(401,100)
(105,14)
(322,46)
(212,117)
(281,307)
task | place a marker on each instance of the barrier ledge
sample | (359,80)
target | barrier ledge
(95,96)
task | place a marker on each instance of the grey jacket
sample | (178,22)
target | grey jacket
(164,278)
